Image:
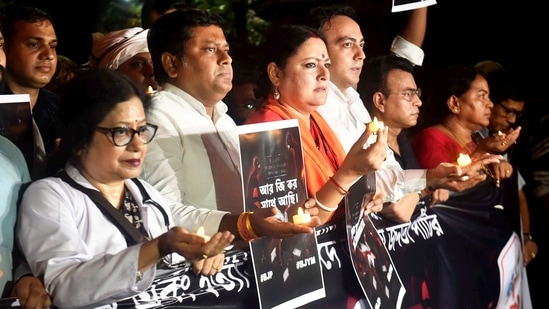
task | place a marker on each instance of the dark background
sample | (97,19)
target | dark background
(458,31)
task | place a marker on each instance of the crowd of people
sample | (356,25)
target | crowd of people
(140,147)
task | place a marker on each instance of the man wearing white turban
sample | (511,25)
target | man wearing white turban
(125,51)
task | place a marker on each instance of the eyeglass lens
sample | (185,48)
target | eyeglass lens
(124,136)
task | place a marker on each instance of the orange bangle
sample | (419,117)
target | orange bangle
(345,192)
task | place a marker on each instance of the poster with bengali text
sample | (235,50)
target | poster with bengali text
(287,271)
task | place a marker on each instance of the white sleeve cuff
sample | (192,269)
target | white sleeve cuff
(403,48)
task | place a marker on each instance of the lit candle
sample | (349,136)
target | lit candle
(375,125)
(301,217)
(463,160)
(200,232)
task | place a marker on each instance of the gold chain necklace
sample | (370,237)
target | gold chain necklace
(455,137)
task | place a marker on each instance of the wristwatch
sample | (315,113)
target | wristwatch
(528,236)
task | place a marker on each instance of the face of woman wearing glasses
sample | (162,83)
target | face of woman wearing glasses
(102,160)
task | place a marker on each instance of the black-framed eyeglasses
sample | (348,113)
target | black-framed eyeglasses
(408,94)
(122,136)
(508,112)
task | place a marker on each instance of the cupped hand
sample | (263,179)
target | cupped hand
(196,247)
(499,143)
(266,223)
(455,178)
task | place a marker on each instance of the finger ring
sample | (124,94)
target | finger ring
(503,143)
(497,182)
(204,256)
(533,255)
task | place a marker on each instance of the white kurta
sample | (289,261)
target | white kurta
(347,116)
(197,149)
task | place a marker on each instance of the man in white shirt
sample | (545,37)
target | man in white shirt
(344,110)
(196,140)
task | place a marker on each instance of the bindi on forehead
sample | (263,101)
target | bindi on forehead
(323,56)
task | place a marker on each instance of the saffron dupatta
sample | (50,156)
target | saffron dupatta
(317,169)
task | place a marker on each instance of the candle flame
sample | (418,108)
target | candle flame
(463,160)
(375,125)
(200,231)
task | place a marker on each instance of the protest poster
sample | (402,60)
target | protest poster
(288,272)
(371,261)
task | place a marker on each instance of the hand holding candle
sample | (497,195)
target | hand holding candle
(301,217)
(375,125)
(463,160)
(373,128)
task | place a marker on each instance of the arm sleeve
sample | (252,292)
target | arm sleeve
(402,48)
(61,245)
(397,183)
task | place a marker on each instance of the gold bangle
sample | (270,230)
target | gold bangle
(249,226)
(240,226)
(244,227)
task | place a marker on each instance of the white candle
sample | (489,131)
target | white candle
(301,217)
(200,232)
(463,160)
(375,125)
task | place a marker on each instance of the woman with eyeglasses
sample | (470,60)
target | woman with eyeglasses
(69,225)
(478,260)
